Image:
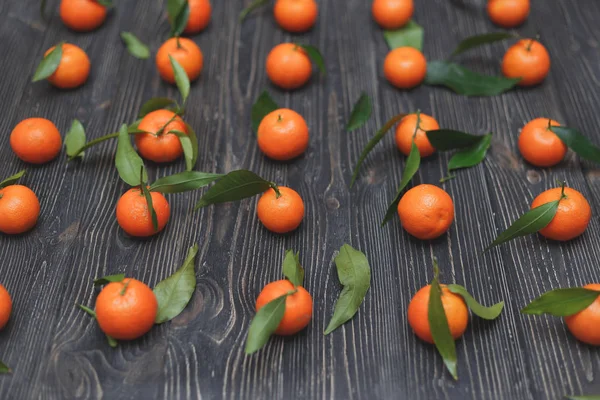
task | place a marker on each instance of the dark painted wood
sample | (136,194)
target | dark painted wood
(58,352)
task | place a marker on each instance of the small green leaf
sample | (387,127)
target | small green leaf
(471,156)
(315,55)
(530,222)
(354,274)
(43,9)
(236,185)
(184,182)
(179,14)
(478,40)
(127,161)
(154,104)
(263,106)
(4,369)
(448,139)
(464,81)
(373,142)
(292,269)
(186,145)
(253,6)
(562,302)
(488,313)
(49,64)
(578,143)
(194,140)
(149,203)
(135,46)
(111,341)
(181,79)
(11,180)
(75,140)
(174,293)
(360,113)
(588,397)
(108,279)
(410,35)
(105,3)
(410,169)
(264,323)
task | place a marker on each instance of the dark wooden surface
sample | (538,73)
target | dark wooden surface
(58,352)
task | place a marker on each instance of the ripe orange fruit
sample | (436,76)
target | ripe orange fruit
(392,14)
(454,307)
(529,60)
(133,214)
(405,67)
(539,145)
(405,134)
(288,66)
(185,52)
(283,214)
(298,306)
(73,70)
(19,209)
(296,15)
(36,140)
(426,211)
(585,325)
(283,135)
(160,146)
(200,12)
(508,13)
(82,15)
(126,310)
(5,307)
(572,217)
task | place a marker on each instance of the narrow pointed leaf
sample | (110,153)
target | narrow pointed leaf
(75,139)
(105,3)
(479,40)
(562,302)
(49,64)
(179,14)
(360,113)
(184,182)
(154,104)
(264,324)
(186,145)
(108,279)
(194,140)
(263,106)
(11,180)
(410,169)
(127,161)
(135,46)
(292,269)
(315,55)
(4,369)
(150,204)
(448,139)
(111,341)
(481,311)
(181,79)
(410,35)
(236,185)
(440,331)
(578,143)
(471,156)
(253,6)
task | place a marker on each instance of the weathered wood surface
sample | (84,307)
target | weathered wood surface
(58,352)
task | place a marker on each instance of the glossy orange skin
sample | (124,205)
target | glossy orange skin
(572,217)
(283,135)
(73,70)
(406,130)
(19,209)
(585,325)
(508,13)
(405,67)
(128,315)
(82,15)
(200,13)
(392,14)
(539,145)
(454,307)
(5,307)
(36,140)
(296,15)
(527,59)
(288,66)
(160,146)
(189,56)
(298,306)
(133,215)
(283,214)
(426,212)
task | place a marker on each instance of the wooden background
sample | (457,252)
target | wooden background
(58,352)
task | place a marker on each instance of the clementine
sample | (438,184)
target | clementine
(200,12)
(392,14)
(405,134)
(5,307)
(508,13)
(82,15)
(288,66)
(405,67)
(585,325)
(133,214)
(296,15)
(426,211)
(36,140)
(283,135)
(298,306)
(185,52)
(19,209)
(539,145)
(528,60)
(73,70)
(159,145)
(283,214)
(572,217)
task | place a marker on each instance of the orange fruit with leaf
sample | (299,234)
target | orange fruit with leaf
(298,306)
(82,15)
(283,135)
(134,216)
(200,13)
(408,132)
(36,140)
(585,325)
(185,52)
(539,145)
(392,14)
(572,216)
(405,67)
(426,211)
(73,69)
(5,307)
(159,145)
(288,66)
(527,60)
(280,213)
(296,15)
(508,13)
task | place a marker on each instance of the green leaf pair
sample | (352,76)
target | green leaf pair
(263,106)
(473,148)
(562,302)
(410,35)
(179,14)
(11,180)
(49,64)
(135,46)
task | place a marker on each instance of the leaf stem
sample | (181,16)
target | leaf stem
(276,189)
(447,178)
(125,285)
(98,141)
(162,129)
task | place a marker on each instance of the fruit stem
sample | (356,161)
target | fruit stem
(447,178)
(276,189)
(125,285)
(562,191)
(279,118)
(528,48)
(179,46)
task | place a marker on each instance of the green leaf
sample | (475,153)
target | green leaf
(588,397)
(181,79)
(111,341)
(105,3)
(440,331)
(578,143)
(236,185)
(75,140)
(263,106)
(184,182)
(478,40)
(253,6)
(373,142)
(154,104)
(11,180)
(488,313)
(292,269)
(315,55)
(135,46)
(264,323)
(108,279)
(410,35)
(4,369)
(127,161)
(530,222)
(471,155)
(448,139)
(188,150)
(360,113)
(49,64)
(354,274)
(174,293)
(149,202)
(179,14)
(562,302)
(466,82)
(410,169)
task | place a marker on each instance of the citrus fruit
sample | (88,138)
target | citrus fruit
(539,145)
(73,69)
(283,135)
(405,67)
(508,13)
(5,307)
(296,15)
(298,306)
(133,214)
(185,52)
(160,146)
(585,325)
(283,214)
(392,14)
(572,217)
(426,211)
(82,15)
(200,12)
(19,209)
(528,60)
(405,134)
(36,140)
(288,66)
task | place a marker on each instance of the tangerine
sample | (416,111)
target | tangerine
(528,60)
(296,15)
(159,145)
(82,15)
(405,134)
(585,325)
(5,307)
(288,66)
(298,306)
(73,69)
(19,209)
(283,135)
(133,214)
(508,13)
(426,211)
(392,14)
(185,52)
(36,140)
(280,214)
(539,145)
(405,67)
(200,13)
(572,217)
